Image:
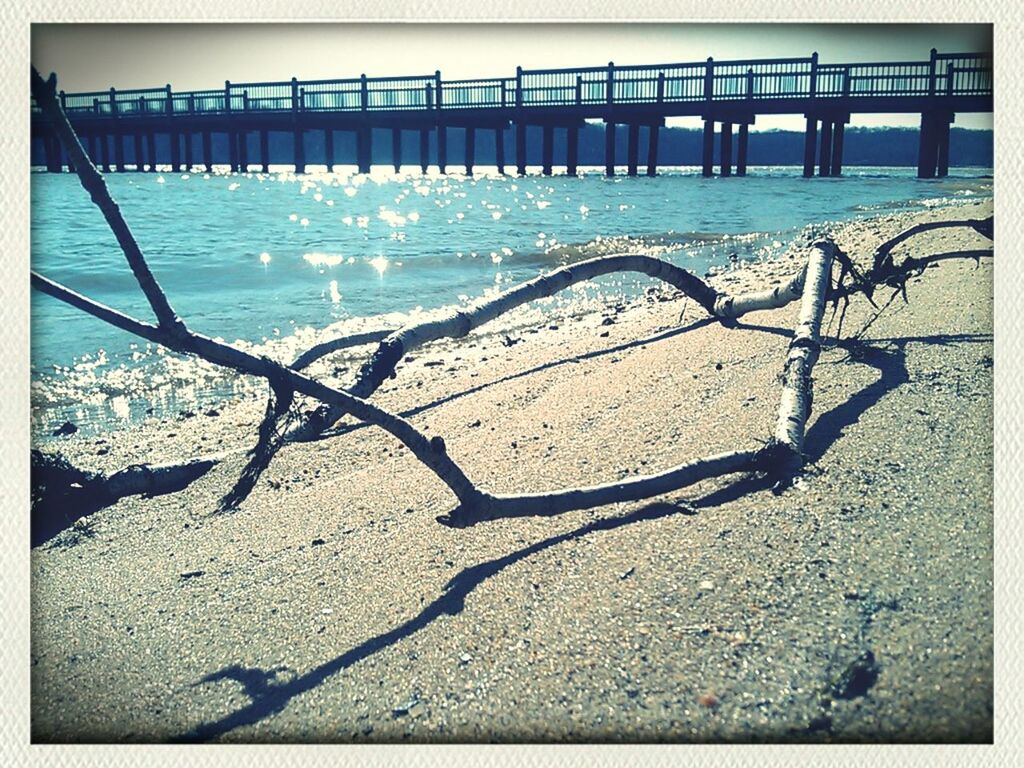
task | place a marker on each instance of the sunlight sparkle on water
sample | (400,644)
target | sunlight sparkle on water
(264,258)
(379,263)
(323,259)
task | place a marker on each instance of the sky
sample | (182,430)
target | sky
(194,56)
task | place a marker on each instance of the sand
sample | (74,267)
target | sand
(855,606)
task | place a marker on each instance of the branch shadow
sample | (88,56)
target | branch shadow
(268,695)
(888,357)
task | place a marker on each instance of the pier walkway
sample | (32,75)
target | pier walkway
(119,128)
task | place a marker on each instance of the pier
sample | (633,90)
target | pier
(119,128)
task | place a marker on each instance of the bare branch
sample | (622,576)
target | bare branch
(984,227)
(795,403)
(45,96)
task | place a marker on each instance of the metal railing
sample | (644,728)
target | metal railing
(943,75)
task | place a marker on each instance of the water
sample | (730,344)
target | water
(274,259)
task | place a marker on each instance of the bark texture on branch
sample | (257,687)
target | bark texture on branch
(492,507)
(797,394)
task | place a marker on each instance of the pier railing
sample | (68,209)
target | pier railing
(942,75)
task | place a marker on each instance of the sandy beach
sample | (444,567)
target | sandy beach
(332,606)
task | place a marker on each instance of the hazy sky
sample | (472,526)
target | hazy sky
(193,56)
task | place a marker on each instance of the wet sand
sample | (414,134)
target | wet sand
(855,606)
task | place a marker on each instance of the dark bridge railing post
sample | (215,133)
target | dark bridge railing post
(188,135)
(118,136)
(709,79)
(232,139)
(364,135)
(442,129)
(811,132)
(931,72)
(520,125)
(298,140)
(609,129)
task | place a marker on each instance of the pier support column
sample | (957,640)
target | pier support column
(175,139)
(188,151)
(521,149)
(810,144)
(470,146)
(396,149)
(726,149)
(652,149)
(243,151)
(51,148)
(299,147)
(708,155)
(442,149)
(548,149)
(943,148)
(632,149)
(207,151)
(233,151)
(264,150)
(742,145)
(825,150)
(137,150)
(105,153)
(609,149)
(329,149)
(572,150)
(151,151)
(364,147)
(838,130)
(499,149)
(118,152)
(424,150)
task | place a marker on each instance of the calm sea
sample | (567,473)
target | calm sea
(274,259)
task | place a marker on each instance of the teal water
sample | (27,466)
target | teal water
(273,259)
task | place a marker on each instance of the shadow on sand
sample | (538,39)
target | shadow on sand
(268,695)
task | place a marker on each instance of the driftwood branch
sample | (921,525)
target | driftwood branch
(45,96)
(430,451)
(793,414)
(780,456)
(62,494)
(795,403)
(883,256)
(460,322)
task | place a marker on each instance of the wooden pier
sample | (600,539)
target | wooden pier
(730,94)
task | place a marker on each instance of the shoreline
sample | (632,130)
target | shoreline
(212,393)
(622,622)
